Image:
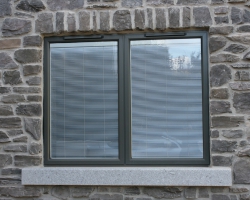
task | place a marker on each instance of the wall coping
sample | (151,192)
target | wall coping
(128,176)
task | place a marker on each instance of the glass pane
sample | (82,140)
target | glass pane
(84,100)
(166,98)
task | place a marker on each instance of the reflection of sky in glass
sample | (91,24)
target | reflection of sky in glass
(187,45)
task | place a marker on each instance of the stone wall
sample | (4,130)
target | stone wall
(23,25)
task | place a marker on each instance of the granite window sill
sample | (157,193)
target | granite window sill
(128,176)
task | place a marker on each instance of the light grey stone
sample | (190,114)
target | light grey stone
(237,1)
(131,3)
(21,139)
(15,26)
(227,121)
(186,17)
(30,5)
(219,75)
(232,134)
(220,93)
(139,19)
(241,38)
(29,110)
(84,21)
(191,2)
(12,77)
(31,70)
(245,197)
(236,15)
(5,8)
(5,160)
(35,148)
(61,192)
(33,127)
(106,196)
(6,62)
(222,161)
(221,20)
(241,171)
(13,98)
(221,146)
(221,30)
(224,57)
(244,152)
(247,56)
(240,65)
(150,18)
(104,21)
(216,43)
(219,107)
(15,148)
(35,98)
(174,17)
(65,4)
(15,132)
(160,2)
(28,55)
(34,81)
(122,20)
(25,90)
(23,15)
(160,18)
(242,76)
(133,176)
(44,23)
(221,10)
(32,41)
(60,22)
(240,86)
(71,22)
(4,137)
(6,110)
(202,17)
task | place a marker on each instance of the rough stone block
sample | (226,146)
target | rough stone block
(59,22)
(220,93)
(81,191)
(11,171)
(236,48)
(15,26)
(84,21)
(33,127)
(28,55)
(241,171)
(35,98)
(220,197)
(21,192)
(13,98)
(222,146)
(219,75)
(216,43)
(122,20)
(6,110)
(104,21)
(241,38)
(218,1)
(244,29)
(31,70)
(237,189)
(71,22)
(139,19)
(5,160)
(222,161)
(163,192)
(191,2)
(35,148)
(190,193)
(244,152)
(232,134)
(242,76)
(15,148)
(5,8)
(65,4)
(224,57)
(29,110)
(21,139)
(247,56)
(15,132)
(44,23)
(131,3)
(220,107)
(245,197)
(202,17)
(221,30)
(240,86)
(160,17)
(174,17)
(203,192)
(131,191)
(25,90)
(4,137)
(221,10)
(186,17)
(26,161)
(106,196)
(10,181)
(10,44)
(30,5)
(160,2)
(34,81)
(150,18)
(214,134)
(241,102)
(11,122)
(12,77)
(227,121)
(221,20)
(32,41)
(236,15)
(61,192)
(6,62)
(240,65)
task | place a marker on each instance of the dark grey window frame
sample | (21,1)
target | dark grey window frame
(124,101)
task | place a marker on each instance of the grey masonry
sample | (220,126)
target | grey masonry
(24,24)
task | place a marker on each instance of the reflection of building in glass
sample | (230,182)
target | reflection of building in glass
(180,62)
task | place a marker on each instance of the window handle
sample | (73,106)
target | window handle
(167,34)
(83,37)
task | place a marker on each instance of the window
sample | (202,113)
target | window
(134,99)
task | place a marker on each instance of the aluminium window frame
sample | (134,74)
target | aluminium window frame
(124,101)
